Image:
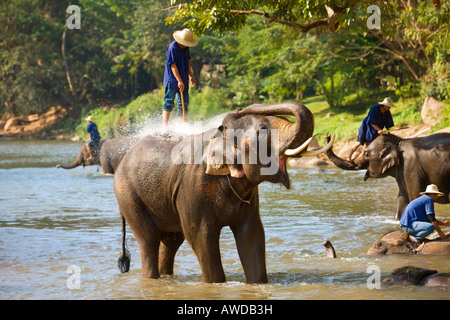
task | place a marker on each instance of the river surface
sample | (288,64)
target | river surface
(60,236)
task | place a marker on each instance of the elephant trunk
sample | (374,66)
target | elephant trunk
(343,164)
(292,135)
(78,162)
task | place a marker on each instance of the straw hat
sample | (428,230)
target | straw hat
(432,188)
(387,102)
(185,37)
(89,118)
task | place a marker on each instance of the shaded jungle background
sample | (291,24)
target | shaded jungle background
(249,52)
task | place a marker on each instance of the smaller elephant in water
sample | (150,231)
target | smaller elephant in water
(410,275)
(107,154)
(398,242)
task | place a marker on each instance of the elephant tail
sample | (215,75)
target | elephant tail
(124,260)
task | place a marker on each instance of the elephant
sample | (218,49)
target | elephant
(398,242)
(414,163)
(107,154)
(410,275)
(167,193)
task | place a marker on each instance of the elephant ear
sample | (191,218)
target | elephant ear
(379,247)
(217,162)
(390,156)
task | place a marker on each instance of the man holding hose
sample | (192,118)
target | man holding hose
(177,73)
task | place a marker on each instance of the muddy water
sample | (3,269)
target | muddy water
(59,226)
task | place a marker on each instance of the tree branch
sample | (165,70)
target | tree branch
(66,62)
(273,18)
(331,21)
(399,56)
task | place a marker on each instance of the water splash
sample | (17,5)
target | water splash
(154,125)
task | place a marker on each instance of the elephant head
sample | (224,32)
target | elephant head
(409,275)
(397,242)
(255,142)
(393,243)
(380,157)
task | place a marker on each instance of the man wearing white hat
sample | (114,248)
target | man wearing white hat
(419,220)
(177,73)
(94,136)
(378,118)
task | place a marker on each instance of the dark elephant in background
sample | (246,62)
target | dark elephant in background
(398,242)
(410,275)
(107,154)
(414,163)
(166,196)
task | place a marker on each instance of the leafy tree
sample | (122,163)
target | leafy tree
(29,62)
(231,15)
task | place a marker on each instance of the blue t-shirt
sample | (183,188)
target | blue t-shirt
(92,129)
(174,54)
(367,133)
(417,210)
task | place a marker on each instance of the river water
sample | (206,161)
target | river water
(60,236)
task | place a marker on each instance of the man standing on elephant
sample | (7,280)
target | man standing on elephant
(379,117)
(177,73)
(419,219)
(94,136)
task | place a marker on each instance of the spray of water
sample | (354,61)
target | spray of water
(154,125)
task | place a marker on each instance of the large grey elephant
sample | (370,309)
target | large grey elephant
(414,163)
(107,154)
(170,190)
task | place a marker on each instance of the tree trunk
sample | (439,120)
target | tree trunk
(325,92)
(74,111)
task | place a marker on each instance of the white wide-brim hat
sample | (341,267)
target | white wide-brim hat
(432,188)
(387,102)
(185,37)
(89,118)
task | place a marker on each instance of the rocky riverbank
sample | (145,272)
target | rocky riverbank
(34,126)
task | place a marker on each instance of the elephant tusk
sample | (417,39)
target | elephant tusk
(293,152)
(319,151)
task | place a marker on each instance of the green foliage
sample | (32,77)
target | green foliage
(231,15)
(248,52)
(409,115)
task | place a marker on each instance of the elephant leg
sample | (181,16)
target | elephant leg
(170,242)
(149,248)
(402,202)
(147,234)
(250,242)
(205,243)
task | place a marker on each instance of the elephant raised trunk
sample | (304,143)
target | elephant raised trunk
(292,135)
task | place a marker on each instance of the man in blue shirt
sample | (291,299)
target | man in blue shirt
(418,219)
(378,118)
(94,136)
(177,73)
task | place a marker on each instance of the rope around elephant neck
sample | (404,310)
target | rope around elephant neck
(246,201)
